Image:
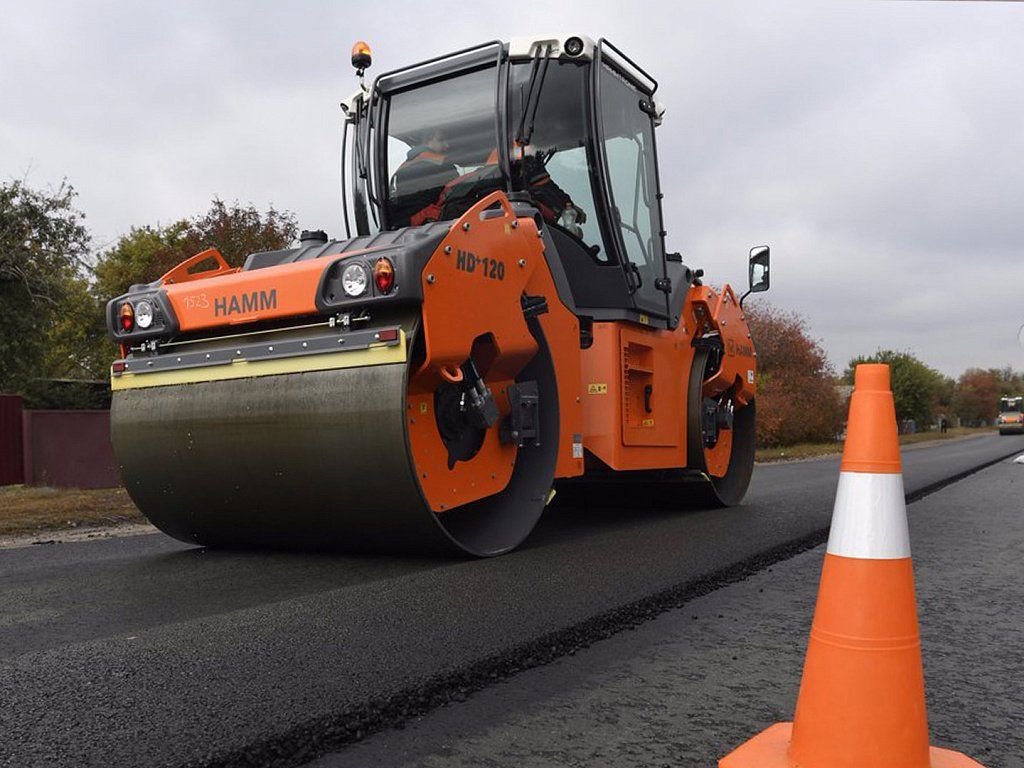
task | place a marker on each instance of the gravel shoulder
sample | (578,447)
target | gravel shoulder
(811,451)
(687,687)
(76,533)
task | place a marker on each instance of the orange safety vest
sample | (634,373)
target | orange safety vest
(432,212)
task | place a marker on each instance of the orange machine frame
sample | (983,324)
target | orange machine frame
(624,398)
(487,261)
(630,430)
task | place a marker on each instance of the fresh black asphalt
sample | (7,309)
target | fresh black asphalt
(684,689)
(143,651)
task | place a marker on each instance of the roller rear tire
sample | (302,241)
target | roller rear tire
(729,489)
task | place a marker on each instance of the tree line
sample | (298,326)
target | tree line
(802,399)
(54,289)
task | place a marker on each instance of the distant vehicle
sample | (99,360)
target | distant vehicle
(1011,415)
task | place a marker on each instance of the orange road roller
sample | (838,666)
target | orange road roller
(500,317)
(1011,416)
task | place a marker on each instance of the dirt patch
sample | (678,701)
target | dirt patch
(25,510)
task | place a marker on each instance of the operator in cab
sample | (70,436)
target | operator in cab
(427,186)
(418,182)
(554,203)
(529,173)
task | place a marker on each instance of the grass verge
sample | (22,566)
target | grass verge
(29,510)
(812,450)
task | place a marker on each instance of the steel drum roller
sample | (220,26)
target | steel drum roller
(316,459)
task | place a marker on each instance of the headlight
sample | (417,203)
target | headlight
(143,314)
(353,280)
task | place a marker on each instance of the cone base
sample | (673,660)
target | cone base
(770,749)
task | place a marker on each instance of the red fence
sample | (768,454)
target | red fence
(68,449)
(10,440)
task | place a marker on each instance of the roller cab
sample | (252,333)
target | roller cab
(501,319)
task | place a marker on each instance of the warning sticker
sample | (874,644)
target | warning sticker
(597,389)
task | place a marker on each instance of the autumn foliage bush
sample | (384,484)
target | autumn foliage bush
(145,253)
(797,400)
(977,392)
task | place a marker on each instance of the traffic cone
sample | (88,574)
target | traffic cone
(861,702)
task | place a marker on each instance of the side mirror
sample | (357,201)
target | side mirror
(759,271)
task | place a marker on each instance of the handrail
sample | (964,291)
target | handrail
(183,272)
(434,60)
(344,192)
(654,83)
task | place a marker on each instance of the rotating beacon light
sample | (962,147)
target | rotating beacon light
(361,57)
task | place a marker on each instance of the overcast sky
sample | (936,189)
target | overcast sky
(878,147)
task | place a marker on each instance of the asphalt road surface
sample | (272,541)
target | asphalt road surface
(687,687)
(144,651)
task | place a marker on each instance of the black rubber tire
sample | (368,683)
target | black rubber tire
(727,491)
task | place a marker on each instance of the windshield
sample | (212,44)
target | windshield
(441,153)
(1012,406)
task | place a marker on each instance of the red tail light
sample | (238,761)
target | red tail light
(384,275)
(127,316)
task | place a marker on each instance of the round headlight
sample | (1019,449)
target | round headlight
(143,314)
(353,280)
(574,46)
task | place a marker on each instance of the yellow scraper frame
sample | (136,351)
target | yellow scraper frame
(375,354)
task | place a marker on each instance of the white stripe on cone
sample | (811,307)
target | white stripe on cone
(869,520)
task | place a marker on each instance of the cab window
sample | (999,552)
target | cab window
(441,148)
(628,134)
(553,159)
